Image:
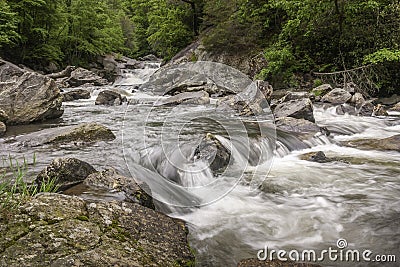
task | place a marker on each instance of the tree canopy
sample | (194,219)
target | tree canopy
(296,36)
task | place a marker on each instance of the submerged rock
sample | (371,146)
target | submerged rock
(60,230)
(337,96)
(299,109)
(27,97)
(197,98)
(109,98)
(76,95)
(109,179)
(318,156)
(390,143)
(66,172)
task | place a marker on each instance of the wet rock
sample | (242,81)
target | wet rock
(27,97)
(85,132)
(3,128)
(250,102)
(366,109)
(76,95)
(3,116)
(301,127)
(299,109)
(196,98)
(211,77)
(346,109)
(60,230)
(265,88)
(109,179)
(395,107)
(109,98)
(294,96)
(81,76)
(321,90)
(337,96)
(357,100)
(62,74)
(318,156)
(350,87)
(66,172)
(390,143)
(150,57)
(212,151)
(389,100)
(379,110)
(273,263)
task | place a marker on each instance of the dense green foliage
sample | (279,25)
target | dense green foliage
(297,36)
(37,32)
(305,36)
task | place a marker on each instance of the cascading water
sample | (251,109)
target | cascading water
(280,201)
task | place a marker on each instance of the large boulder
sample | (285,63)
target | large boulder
(337,96)
(211,77)
(81,76)
(60,230)
(109,98)
(27,97)
(197,98)
(65,172)
(299,109)
(132,191)
(76,95)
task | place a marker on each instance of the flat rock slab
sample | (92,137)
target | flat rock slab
(60,230)
(390,143)
(85,133)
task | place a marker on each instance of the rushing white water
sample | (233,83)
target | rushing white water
(300,205)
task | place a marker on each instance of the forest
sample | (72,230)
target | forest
(295,36)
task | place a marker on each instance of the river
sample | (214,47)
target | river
(302,204)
